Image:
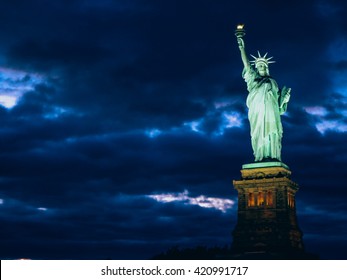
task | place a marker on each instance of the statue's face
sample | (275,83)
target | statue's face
(263,69)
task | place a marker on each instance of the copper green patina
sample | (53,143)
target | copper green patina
(265,102)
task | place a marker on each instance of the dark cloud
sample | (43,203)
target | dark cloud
(118,101)
(93,222)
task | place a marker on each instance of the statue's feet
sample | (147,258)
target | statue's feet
(268,159)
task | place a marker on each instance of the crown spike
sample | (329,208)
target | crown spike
(261,59)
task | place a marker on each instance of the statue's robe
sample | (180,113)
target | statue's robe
(264,110)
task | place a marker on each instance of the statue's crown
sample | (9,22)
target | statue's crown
(261,59)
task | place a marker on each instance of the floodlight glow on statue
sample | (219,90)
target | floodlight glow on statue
(265,102)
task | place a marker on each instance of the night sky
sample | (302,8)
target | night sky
(123,123)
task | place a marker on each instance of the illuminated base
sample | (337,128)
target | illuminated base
(264,164)
(267,225)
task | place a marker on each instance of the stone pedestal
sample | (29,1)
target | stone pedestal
(267,225)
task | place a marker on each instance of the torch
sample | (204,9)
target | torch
(240,32)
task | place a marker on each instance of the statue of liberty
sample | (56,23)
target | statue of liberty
(265,102)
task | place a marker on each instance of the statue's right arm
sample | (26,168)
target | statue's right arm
(244,58)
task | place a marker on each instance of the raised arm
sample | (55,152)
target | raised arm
(244,58)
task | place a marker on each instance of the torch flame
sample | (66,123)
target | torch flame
(240,26)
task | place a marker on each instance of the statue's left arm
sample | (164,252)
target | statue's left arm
(284,99)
